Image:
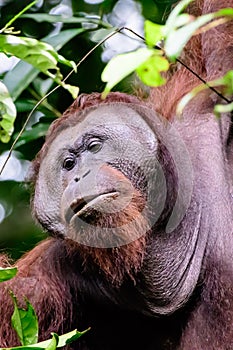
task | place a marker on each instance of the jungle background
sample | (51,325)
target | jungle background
(18,232)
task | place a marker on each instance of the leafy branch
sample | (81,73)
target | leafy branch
(164,44)
(226,81)
(10,30)
(35,57)
(25,323)
(50,92)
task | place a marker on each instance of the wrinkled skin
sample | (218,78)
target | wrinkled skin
(139,206)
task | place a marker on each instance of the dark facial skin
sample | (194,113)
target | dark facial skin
(108,181)
(94,170)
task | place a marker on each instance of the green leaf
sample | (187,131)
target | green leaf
(122,65)
(71,337)
(40,54)
(149,71)
(24,73)
(63,340)
(7,273)
(101,34)
(219,109)
(181,27)
(42,86)
(227,12)
(18,78)
(59,40)
(73,90)
(25,104)
(28,347)
(43,17)
(188,97)
(25,323)
(153,33)
(177,39)
(36,132)
(182,20)
(12,20)
(7,114)
(226,81)
(171,22)
(53,342)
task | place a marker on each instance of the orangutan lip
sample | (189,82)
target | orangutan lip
(79,206)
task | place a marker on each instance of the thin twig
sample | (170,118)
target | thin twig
(203,81)
(184,65)
(17,16)
(119,30)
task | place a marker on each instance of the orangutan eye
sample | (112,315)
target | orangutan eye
(95,146)
(69,163)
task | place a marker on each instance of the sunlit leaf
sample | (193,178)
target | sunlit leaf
(40,54)
(25,323)
(153,33)
(225,12)
(63,340)
(7,273)
(177,39)
(73,90)
(180,27)
(122,65)
(70,337)
(149,71)
(101,34)
(225,82)
(219,109)
(12,20)
(188,97)
(171,22)
(16,81)
(53,342)
(7,114)
(183,19)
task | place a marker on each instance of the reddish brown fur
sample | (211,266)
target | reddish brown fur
(209,55)
(41,275)
(126,258)
(36,283)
